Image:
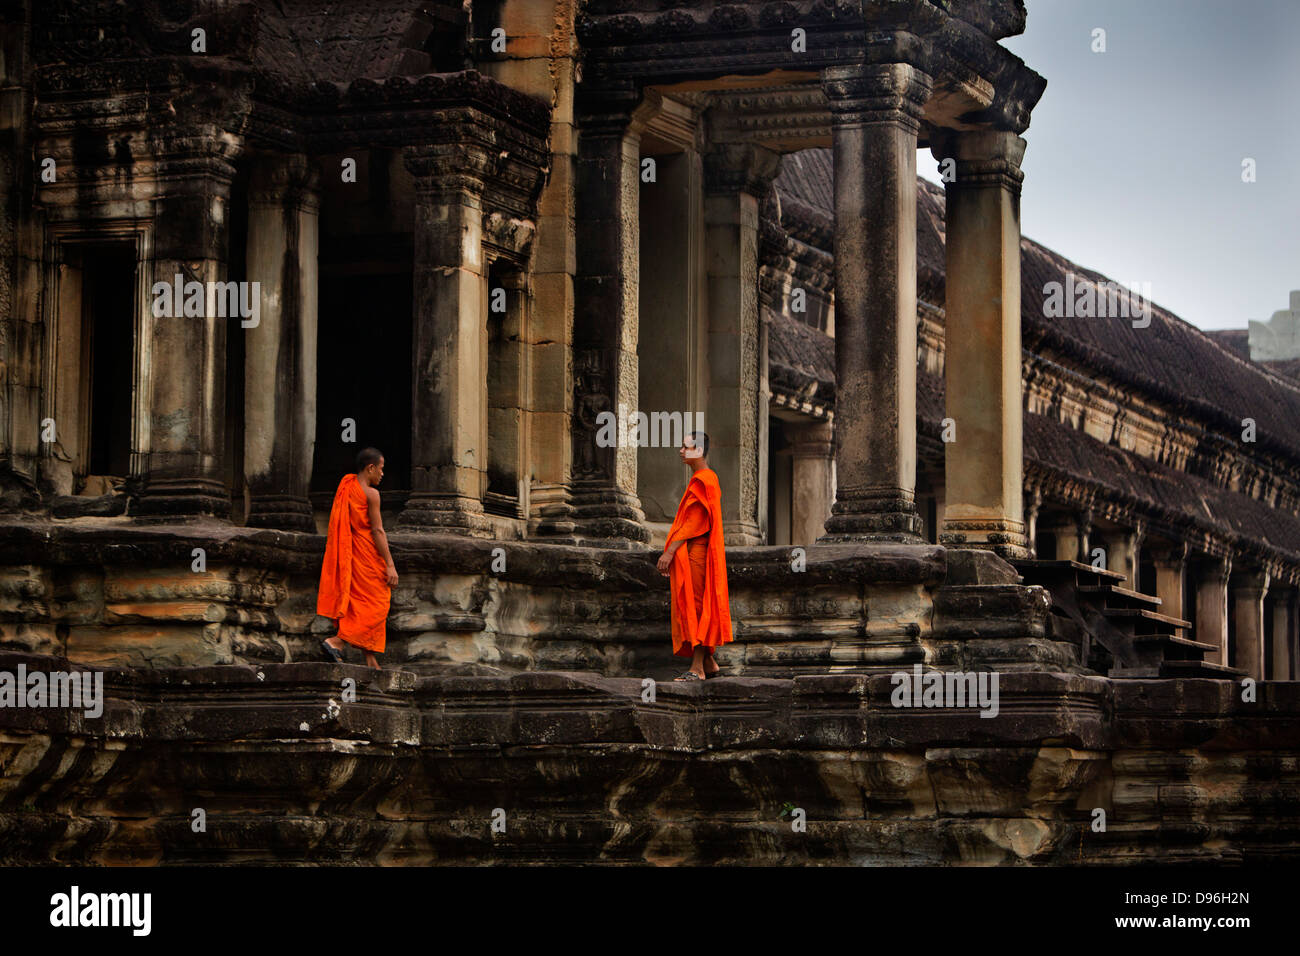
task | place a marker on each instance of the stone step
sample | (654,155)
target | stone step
(1170,640)
(1142,614)
(1080,571)
(1144,672)
(1123,594)
(1199,669)
(1167,647)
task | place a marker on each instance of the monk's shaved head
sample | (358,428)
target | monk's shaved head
(367,457)
(700,440)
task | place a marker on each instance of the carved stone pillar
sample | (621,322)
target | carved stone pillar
(812,488)
(875,117)
(1284,602)
(1171,569)
(1212,607)
(550,454)
(280,356)
(983,470)
(449,405)
(1072,538)
(1123,549)
(1248,590)
(183,436)
(1032,507)
(735,178)
(606,509)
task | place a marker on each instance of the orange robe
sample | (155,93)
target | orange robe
(354,581)
(697,577)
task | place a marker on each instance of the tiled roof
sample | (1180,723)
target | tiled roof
(1207,374)
(1172,361)
(1152,488)
(801,359)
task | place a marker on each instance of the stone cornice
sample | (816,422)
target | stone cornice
(401,111)
(642,40)
(883,93)
(740,167)
(465,150)
(982,157)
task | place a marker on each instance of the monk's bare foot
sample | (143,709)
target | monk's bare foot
(335,643)
(710,666)
(372,662)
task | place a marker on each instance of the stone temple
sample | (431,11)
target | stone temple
(468,233)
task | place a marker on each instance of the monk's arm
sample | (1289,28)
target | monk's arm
(694,523)
(378,534)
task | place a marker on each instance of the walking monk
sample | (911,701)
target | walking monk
(696,566)
(358,577)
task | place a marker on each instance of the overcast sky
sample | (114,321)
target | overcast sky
(1134,165)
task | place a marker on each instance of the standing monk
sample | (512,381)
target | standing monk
(696,566)
(358,577)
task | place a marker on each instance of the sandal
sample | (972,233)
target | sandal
(689,675)
(717,673)
(333,652)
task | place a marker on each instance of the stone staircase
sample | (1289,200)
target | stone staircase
(1118,632)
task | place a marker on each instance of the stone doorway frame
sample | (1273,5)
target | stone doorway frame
(58,237)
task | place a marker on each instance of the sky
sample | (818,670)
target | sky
(1134,163)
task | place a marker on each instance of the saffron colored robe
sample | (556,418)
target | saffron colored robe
(354,581)
(697,577)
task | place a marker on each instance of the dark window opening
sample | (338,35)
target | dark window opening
(1146,578)
(108,317)
(364,374)
(505,398)
(1045,546)
(780,485)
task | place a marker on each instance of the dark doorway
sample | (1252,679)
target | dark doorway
(108,317)
(1146,582)
(364,374)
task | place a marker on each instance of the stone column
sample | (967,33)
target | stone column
(1032,507)
(280,351)
(1122,554)
(735,178)
(1171,567)
(449,405)
(1212,607)
(550,453)
(875,116)
(1248,590)
(983,469)
(1072,538)
(606,507)
(811,491)
(183,437)
(1284,600)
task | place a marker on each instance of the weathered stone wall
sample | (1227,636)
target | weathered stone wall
(110,593)
(585,769)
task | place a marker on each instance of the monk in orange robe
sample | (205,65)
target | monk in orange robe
(695,564)
(358,577)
